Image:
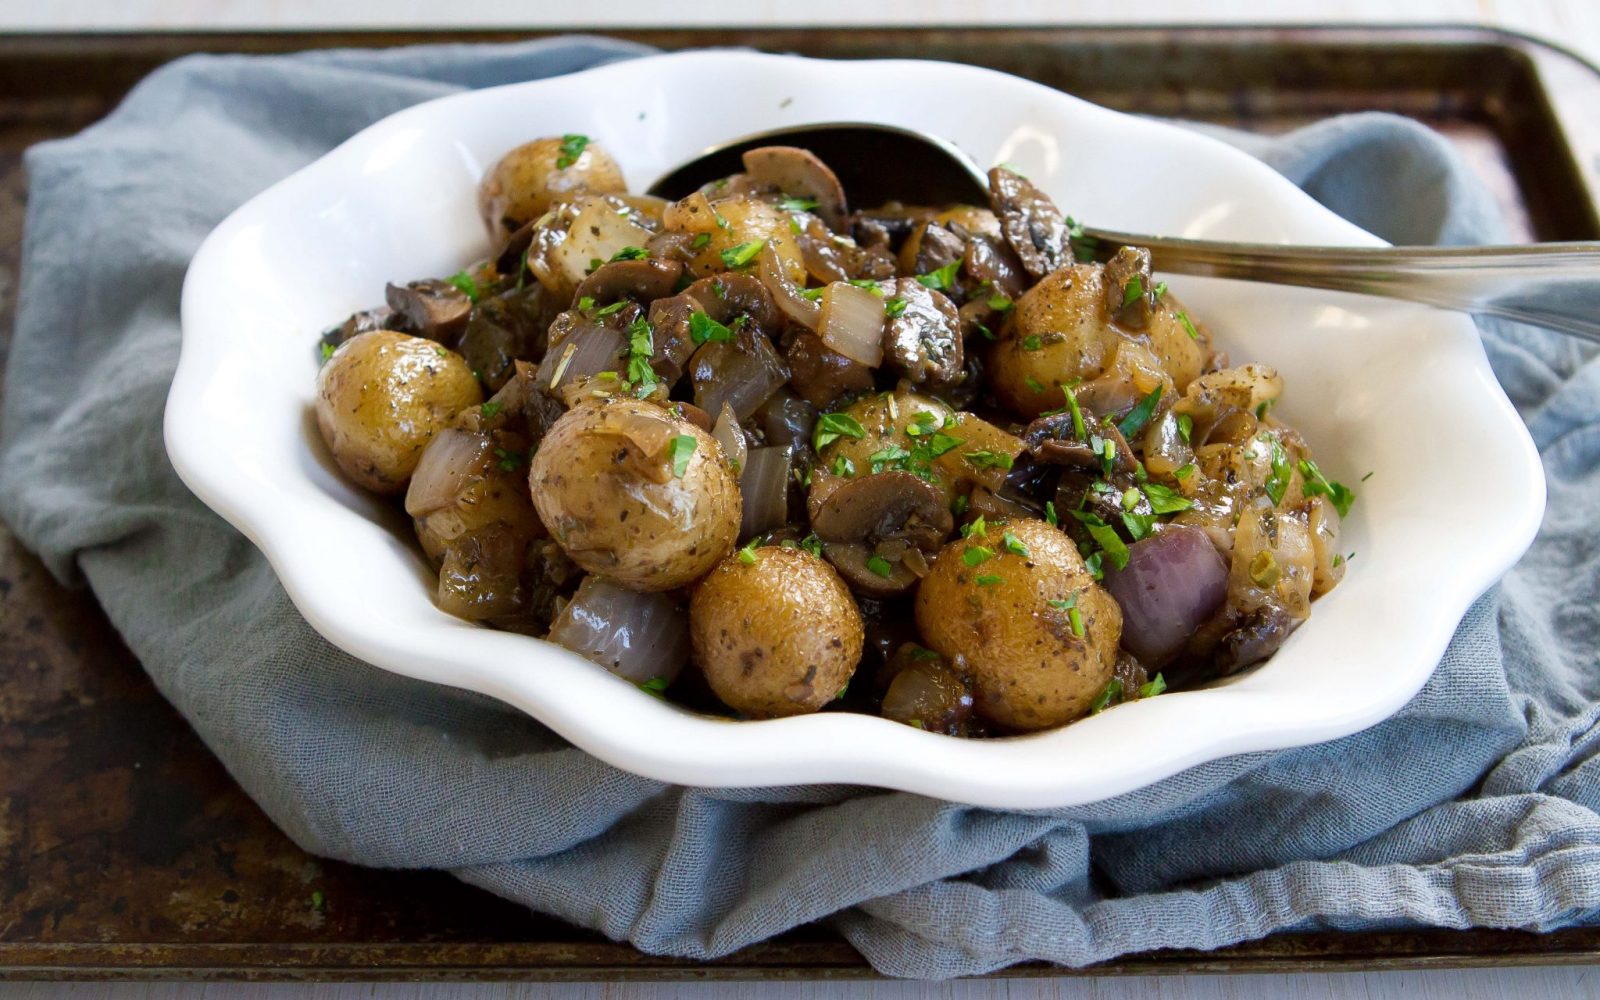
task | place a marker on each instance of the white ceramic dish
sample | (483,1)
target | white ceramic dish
(1401,391)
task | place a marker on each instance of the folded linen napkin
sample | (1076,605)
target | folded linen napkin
(1474,806)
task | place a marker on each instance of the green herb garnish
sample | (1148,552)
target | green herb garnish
(699,242)
(1000,303)
(641,348)
(656,687)
(894,306)
(988,579)
(941,278)
(1153,687)
(797,204)
(614,307)
(832,426)
(572,146)
(1050,517)
(1185,426)
(743,254)
(1165,499)
(466,284)
(680,451)
(703,328)
(1316,484)
(880,566)
(1140,415)
(977,555)
(1278,481)
(1013,545)
(1132,290)
(489,409)
(988,459)
(1032,343)
(1188,326)
(1110,695)
(1104,536)
(747,555)
(630,253)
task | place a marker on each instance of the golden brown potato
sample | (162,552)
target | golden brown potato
(1003,601)
(777,634)
(382,397)
(1059,331)
(884,418)
(527,180)
(730,223)
(468,480)
(636,494)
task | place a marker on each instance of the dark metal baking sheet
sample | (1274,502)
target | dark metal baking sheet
(127,851)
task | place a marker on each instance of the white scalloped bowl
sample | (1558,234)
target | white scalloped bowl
(1402,391)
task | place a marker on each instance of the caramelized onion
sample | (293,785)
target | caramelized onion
(1174,581)
(450,459)
(765,487)
(730,437)
(587,351)
(785,293)
(852,323)
(636,636)
(742,373)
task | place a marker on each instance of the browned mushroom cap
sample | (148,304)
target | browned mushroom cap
(993,261)
(434,309)
(930,247)
(798,172)
(722,297)
(887,520)
(923,340)
(1031,222)
(643,280)
(827,259)
(1130,266)
(508,259)
(1053,440)
(821,376)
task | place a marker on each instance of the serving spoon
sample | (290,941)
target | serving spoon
(1552,285)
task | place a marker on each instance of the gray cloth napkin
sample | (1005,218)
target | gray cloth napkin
(1474,806)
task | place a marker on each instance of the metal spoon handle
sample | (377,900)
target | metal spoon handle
(1554,285)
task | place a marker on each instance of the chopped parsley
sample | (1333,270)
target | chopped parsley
(1140,415)
(1160,290)
(1032,342)
(880,566)
(1013,545)
(1263,569)
(1070,601)
(988,459)
(975,529)
(630,253)
(797,204)
(614,307)
(894,306)
(641,348)
(988,579)
(1132,290)
(699,242)
(1185,426)
(327,350)
(1184,471)
(985,332)
(1034,385)
(843,466)
(1075,619)
(508,461)
(466,284)
(1261,410)
(655,687)
(1079,431)
(595,264)
(585,303)
(680,451)
(572,146)
(747,555)
(1109,695)
(1188,326)
(890,455)
(959,505)
(977,555)
(1316,484)
(1050,517)
(867,283)
(1000,303)
(832,426)
(1278,481)
(941,278)
(743,254)
(1105,536)
(1164,499)
(1138,525)
(812,544)
(1153,687)
(703,328)
(490,409)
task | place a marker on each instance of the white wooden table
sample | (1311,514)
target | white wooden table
(1572,23)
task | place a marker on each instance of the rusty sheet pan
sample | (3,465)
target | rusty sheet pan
(129,853)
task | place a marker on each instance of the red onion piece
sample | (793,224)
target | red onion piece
(742,373)
(589,350)
(451,459)
(852,323)
(785,293)
(730,437)
(765,488)
(635,636)
(1173,583)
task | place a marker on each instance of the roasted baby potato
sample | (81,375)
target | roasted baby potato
(1002,601)
(775,631)
(382,396)
(635,493)
(528,180)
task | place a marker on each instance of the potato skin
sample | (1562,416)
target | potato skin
(885,426)
(1076,340)
(382,397)
(620,512)
(526,181)
(493,488)
(779,636)
(1029,670)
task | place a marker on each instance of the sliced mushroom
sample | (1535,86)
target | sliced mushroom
(923,340)
(432,308)
(821,376)
(671,245)
(722,297)
(828,257)
(1031,222)
(1053,440)
(643,281)
(1130,266)
(993,261)
(930,247)
(796,171)
(887,520)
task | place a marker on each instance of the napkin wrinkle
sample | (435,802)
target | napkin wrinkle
(1474,805)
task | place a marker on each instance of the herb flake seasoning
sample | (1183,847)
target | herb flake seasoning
(680,451)
(572,147)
